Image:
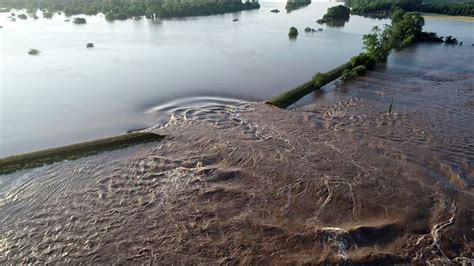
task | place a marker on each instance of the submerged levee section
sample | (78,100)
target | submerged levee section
(288,98)
(71,152)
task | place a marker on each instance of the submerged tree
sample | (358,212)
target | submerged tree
(110,16)
(293,32)
(47,15)
(80,21)
(340,13)
(34,52)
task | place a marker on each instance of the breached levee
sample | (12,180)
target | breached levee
(75,151)
(321,79)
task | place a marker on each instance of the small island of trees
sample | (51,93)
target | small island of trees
(293,32)
(336,14)
(79,21)
(34,52)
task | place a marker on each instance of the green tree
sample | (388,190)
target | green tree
(378,42)
(293,32)
(110,16)
(407,30)
(80,21)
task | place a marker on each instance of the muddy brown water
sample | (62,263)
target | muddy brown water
(335,180)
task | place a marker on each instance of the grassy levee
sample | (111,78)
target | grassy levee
(75,151)
(288,98)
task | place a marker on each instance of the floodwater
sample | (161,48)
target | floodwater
(70,94)
(333,179)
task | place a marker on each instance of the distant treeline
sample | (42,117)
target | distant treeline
(453,9)
(381,6)
(122,9)
(445,1)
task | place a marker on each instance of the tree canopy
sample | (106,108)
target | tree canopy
(293,32)
(132,8)
(455,8)
(336,16)
(337,12)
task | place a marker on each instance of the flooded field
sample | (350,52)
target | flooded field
(334,180)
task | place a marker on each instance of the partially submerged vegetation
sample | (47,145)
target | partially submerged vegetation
(451,40)
(34,52)
(383,7)
(72,152)
(406,29)
(335,15)
(292,5)
(22,16)
(47,15)
(185,9)
(293,32)
(124,9)
(79,21)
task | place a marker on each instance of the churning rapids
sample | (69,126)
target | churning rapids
(337,180)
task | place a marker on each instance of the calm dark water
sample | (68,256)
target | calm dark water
(70,94)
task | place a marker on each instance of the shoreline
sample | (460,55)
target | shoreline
(447,17)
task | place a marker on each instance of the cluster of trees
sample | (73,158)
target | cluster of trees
(176,9)
(373,6)
(294,5)
(80,21)
(293,32)
(336,16)
(34,52)
(123,9)
(382,6)
(406,28)
(445,1)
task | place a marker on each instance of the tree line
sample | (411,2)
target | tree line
(123,9)
(382,6)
